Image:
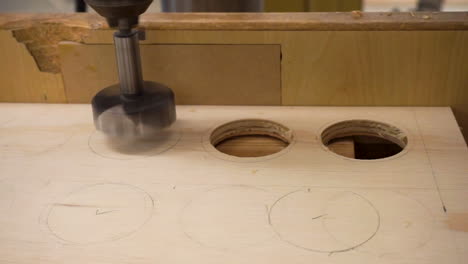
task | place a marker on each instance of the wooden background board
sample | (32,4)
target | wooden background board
(378,68)
(351,68)
(383,59)
(66,195)
(198,74)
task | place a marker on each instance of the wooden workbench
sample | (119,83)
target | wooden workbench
(68,196)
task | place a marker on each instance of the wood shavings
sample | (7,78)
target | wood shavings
(356,14)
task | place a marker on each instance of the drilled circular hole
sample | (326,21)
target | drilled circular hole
(251,138)
(364,139)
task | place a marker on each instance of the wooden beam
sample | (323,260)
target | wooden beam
(341,21)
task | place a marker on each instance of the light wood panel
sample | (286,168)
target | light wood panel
(68,195)
(352,68)
(378,68)
(198,74)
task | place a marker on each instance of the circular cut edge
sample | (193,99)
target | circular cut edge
(365,127)
(245,127)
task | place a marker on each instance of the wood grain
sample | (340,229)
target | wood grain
(68,195)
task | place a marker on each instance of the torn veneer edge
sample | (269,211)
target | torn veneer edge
(41,34)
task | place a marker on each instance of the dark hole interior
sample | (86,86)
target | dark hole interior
(370,147)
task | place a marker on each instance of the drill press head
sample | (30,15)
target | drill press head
(120,13)
(134,108)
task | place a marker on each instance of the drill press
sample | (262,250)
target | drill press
(134,108)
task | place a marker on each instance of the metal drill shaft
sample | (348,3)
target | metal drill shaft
(127,52)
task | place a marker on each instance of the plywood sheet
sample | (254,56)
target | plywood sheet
(198,74)
(69,196)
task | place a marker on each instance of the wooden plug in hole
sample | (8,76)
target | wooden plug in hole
(251,138)
(364,139)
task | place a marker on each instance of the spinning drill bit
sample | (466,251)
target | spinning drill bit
(134,108)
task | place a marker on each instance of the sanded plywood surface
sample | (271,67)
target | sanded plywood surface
(68,196)
(198,74)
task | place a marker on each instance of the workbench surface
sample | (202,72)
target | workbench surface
(67,195)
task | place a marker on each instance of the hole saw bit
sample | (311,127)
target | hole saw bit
(134,108)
